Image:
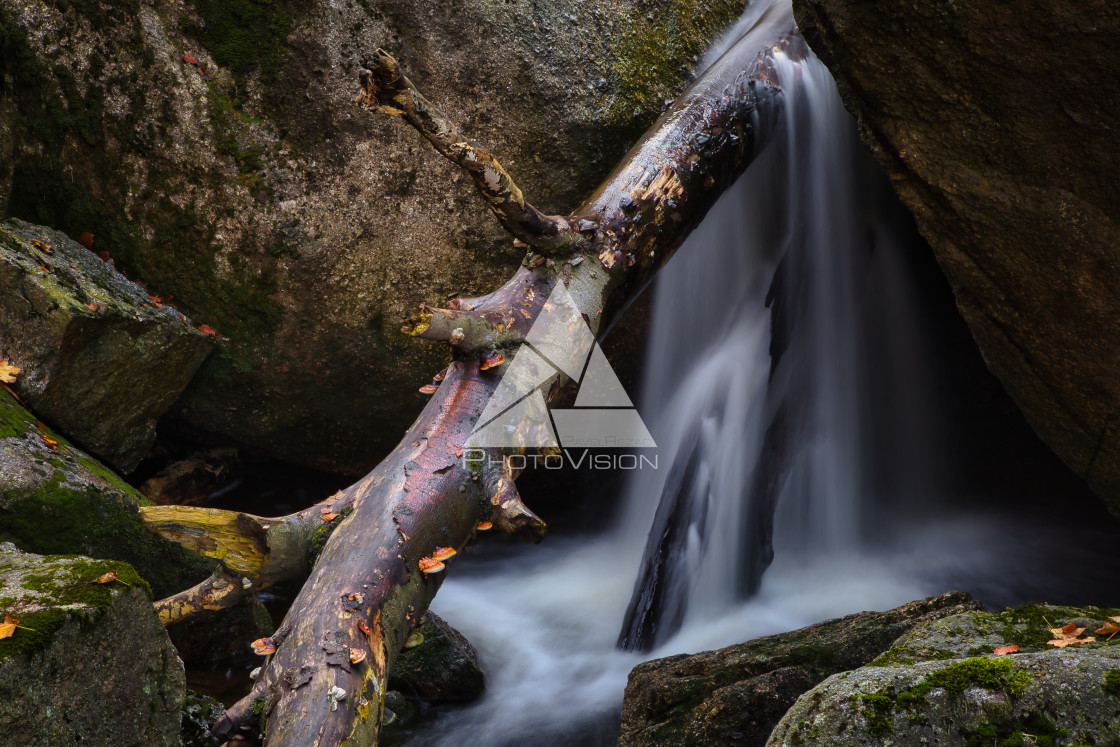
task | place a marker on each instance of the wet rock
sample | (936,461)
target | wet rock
(101,361)
(1056,697)
(735,696)
(200,713)
(243,180)
(442,668)
(1002,144)
(56,499)
(97,666)
(189,482)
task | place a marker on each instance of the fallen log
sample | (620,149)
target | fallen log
(324,679)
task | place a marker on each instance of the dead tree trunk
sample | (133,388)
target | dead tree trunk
(324,683)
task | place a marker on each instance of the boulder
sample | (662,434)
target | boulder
(1003,145)
(92,663)
(735,696)
(200,713)
(940,683)
(212,148)
(100,359)
(442,667)
(56,499)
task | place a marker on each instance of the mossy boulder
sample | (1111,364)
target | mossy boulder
(735,695)
(200,713)
(101,360)
(56,499)
(1052,698)
(212,148)
(444,667)
(1003,145)
(940,683)
(92,663)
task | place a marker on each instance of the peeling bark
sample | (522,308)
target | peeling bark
(366,592)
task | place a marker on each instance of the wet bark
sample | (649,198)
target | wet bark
(326,680)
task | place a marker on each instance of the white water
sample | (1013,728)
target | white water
(545,619)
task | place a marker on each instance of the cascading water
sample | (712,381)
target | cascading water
(798,449)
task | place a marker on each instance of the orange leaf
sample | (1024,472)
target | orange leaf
(1005,650)
(525,313)
(1062,642)
(8,371)
(104,255)
(12,392)
(42,246)
(44,269)
(93,306)
(40,426)
(1067,632)
(86,239)
(207,330)
(363,627)
(8,627)
(108,578)
(1107,628)
(329,517)
(190,59)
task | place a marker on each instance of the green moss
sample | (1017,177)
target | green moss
(243,35)
(1111,684)
(320,535)
(655,53)
(1014,733)
(71,583)
(60,517)
(993,674)
(14,420)
(876,711)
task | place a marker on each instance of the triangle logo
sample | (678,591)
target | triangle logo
(560,342)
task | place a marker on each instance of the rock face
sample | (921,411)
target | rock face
(97,666)
(101,361)
(1042,695)
(444,667)
(212,148)
(55,499)
(736,695)
(1001,139)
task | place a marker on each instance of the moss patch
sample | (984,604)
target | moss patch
(1014,733)
(989,673)
(243,35)
(67,583)
(1111,684)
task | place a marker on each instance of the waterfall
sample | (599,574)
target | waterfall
(794,400)
(789,304)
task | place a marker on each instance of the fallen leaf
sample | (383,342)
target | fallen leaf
(1107,628)
(1005,650)
(8,371)
(8,627)
(40,426)
(190,59)
(329,517)
(42,246)
(104,255)
(12,392)
(525,313)
(86,239)
(1062,642)
(1115,618)
(1067,632)
(207,330)
(93,306)
(108,578)
(44,269)
(363,627)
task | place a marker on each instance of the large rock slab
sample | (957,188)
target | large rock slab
(736,695)
(930,691)
(101,360)
(998,125)
(213,149)
(56,499)
(442,667)
(96,666)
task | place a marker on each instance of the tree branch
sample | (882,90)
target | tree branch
(387,90)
